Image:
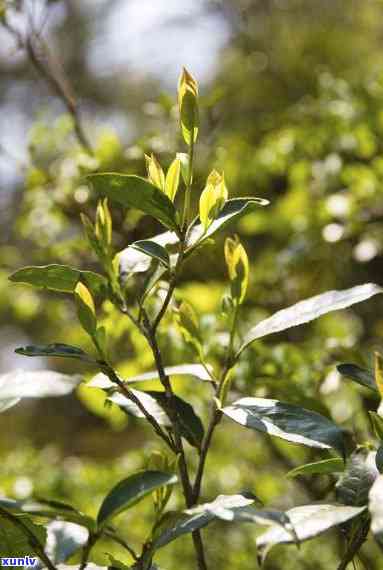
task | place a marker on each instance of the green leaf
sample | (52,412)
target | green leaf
(60,278)
(14,541)
(377,424)
(333,465)
(308,521)
(229,508)
(55,349)
(130,491)
(354,485)
(136,192)
(155,173)
(310,309)
(197,371)
(173,179)
(287,421)
(212,199)
(188,106)
(184,159)
(376,510)
(359,375)
(36,384)
(86,311)
(378,372)
(57,511)
(232,211)
(156,404)
(188,324)
(176,524)
(133,261)
(238,268)
(152,249)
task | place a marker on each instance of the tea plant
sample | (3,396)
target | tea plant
(141,282)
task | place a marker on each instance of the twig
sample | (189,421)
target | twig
(108,370)
(41,59)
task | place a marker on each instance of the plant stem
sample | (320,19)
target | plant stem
(92,539)
(108,370)
(32,538)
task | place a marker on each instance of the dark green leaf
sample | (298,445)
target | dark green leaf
(136,192)
(60,278)
(354,485)
(14,541)
(57,510)
(333,465)
(376,510)
(176,524)
(157,405)
(310,309)
(232,211)
(130,491)
(152,249)
(287,421)
(359,375)
(55,349)
(36,384)
(134,261)
(308,521)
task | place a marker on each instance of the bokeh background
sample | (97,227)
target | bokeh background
(291,110)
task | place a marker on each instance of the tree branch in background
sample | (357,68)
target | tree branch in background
(50,70)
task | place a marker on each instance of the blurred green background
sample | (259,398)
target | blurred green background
(291,110)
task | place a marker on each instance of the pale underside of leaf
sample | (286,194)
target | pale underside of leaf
(36,384)
(193,370)
(310,309)
(286,421)
(308,521)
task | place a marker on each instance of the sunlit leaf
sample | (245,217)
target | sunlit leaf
(333,465)
(287,421)
(310,309)
(212,199)
(136,192)
(155,173)
(238,268)
(193,370)
(64,539)
(60,278)
(173,179)
(85,308)
(378,372)
(188,106)
(36,384)
(130,491)
(308,521)
(232,211)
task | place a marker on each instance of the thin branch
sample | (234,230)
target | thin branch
(42,60)
(108,370)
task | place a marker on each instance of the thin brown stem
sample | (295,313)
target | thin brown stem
(108,370)
(41,59)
